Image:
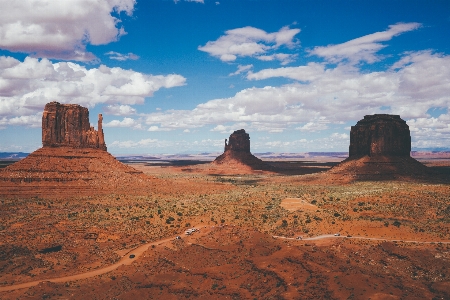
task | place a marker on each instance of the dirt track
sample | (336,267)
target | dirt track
(126,260)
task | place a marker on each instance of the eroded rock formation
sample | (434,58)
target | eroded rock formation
(380,134)
(237,154)
(239,141)
(380,147)
(73,159)
(67,125)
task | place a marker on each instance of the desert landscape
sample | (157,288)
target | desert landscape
(77,223)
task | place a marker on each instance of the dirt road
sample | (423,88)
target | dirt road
(126,260)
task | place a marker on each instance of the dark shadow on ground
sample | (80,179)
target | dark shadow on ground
(300,167)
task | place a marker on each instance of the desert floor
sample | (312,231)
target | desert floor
(245,247)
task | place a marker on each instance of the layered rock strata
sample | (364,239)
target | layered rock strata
(67,125)
(73,160)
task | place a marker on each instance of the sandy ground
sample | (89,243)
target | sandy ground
(235,256)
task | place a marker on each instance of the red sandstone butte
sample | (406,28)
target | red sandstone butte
(67,125)
(237,152)
(73,160)
(380,134)
(380,147)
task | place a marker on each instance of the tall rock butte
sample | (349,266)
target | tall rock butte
(380,134)
(380,147)
(73,160)
(237,154)
(68,125)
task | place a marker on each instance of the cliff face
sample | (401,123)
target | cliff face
(381,134)
(380,147)
(67,125)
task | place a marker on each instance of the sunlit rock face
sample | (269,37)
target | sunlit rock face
(380,135)
(67,125)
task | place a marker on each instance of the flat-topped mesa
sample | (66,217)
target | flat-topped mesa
(380,135)
(239,141)
(67,125)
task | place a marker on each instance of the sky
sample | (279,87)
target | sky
(180,76)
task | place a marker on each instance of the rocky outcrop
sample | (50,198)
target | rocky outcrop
(237,154)
(239,141)
(67,125)
(380,147)
(380,135)
(73,160)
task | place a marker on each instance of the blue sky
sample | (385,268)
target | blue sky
(180,76)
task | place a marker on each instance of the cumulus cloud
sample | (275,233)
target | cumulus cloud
(320,97)
(119,110)
(126,122)
(282,57)
(60,29)
(251,42)
(362,49)
(25,87)
(121,57)
(316,125)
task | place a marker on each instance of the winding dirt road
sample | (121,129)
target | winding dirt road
(126,260)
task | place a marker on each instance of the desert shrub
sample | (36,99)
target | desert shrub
(284,223)
(336,214)
(314,202)
(396,223)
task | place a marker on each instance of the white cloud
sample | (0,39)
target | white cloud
(363,48)
(121,57)
(282,57)
(249,41)
(134,144)
(60,29)
(316,125)
(119,110)
(126,122)
(241,69)
(323,97)
(156,128)
(25,87)
(231,128)
(302,73)
(33,121)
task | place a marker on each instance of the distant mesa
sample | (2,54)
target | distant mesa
(73,159)
(380,147)
(237,153)
(67,125)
